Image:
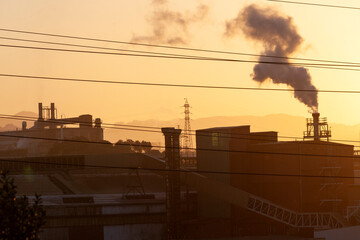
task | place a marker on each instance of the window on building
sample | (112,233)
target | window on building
(215,139)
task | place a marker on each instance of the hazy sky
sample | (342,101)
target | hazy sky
(328,33)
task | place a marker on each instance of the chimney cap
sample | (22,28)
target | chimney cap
(172,130)
(316,114)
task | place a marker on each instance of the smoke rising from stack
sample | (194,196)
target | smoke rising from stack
(159,2)
(171,27)
(279,37)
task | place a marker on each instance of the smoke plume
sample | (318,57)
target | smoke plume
(155,2)
(279,37)
(171,27)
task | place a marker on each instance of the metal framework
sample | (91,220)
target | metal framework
(353,212)
(317,220)
(186,136)
(134,186)
(330,187)
(317,128)
(47,112)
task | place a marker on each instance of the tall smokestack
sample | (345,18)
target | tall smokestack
(173,184)
(316,126)
(52,108)
(40,111)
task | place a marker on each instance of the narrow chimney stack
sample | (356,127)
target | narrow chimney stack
(316,126)
(52,109)
(40,112)
(24,125)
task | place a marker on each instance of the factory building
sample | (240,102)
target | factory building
(246,184)
(39,139)
(298,178)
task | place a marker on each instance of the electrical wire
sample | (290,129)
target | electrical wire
(214,172)
(138,128)
(175,85)
(167,170)
(66,121)
(183,148)
(315,4)
(201,133)
(348,67)
(97,47)
(171,47)
(274,89)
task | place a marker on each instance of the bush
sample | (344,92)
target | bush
(18,218)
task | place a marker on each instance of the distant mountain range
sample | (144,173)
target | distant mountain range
(11,124)
(285,125)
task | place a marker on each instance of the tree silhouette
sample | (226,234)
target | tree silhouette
(18,218)
(123,146)
(134,146)
(137,146)
(146,146)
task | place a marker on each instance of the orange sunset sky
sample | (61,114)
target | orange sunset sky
(328,33)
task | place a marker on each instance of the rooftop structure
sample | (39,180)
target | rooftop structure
(40,138)
(317,128)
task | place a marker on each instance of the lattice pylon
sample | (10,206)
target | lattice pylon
(186,136)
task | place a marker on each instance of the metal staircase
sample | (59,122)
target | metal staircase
(317,220)
(330,187)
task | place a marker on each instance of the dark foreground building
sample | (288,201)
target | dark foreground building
(289,187)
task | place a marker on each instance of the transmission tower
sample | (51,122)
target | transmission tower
(186,136)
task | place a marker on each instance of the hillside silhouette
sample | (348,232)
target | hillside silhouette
(286,125)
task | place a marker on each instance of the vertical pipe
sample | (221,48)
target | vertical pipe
(40,111)
(24,125)
(173,191)
(61,132)
(316,126)
(52,113)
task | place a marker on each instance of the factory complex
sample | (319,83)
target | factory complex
(240,185)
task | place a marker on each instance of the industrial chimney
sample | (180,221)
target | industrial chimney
(316,126)
(52,111)
(24,125)
(40,112)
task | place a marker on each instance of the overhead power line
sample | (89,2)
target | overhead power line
(167,47)
(163,46)
(180,170)
(311,65)
(64,121)
(347,67)
(102,48)
(351,157)
(174,85)
(316,4)
(139,128)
